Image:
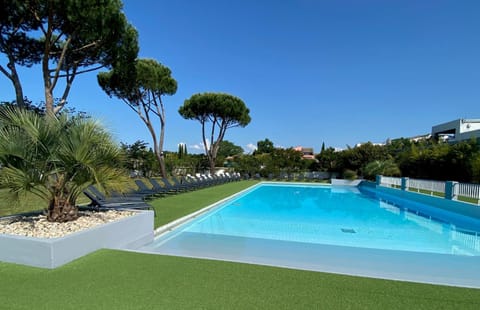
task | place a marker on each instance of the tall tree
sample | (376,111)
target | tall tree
(265,146)
(357,157)
(328,159)
(17,47)
(223,111)
(67,38)
(287,159)
(182,150)
(138,157)
(55,158)
(228,148)
(142,88)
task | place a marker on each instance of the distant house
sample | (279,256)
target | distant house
(451,132)
(375,144)
(307,152)
(418,138)
(457,130)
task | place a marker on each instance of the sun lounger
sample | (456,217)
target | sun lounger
(145,190)
(98,200)
(181,185)
(207,180)
(159,187)
(115,197)
(195,182)
(171,187)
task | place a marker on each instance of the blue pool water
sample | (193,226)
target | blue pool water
(336,216)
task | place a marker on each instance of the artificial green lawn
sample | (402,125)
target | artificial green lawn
(109,279)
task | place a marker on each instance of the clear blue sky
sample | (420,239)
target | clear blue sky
(311,71)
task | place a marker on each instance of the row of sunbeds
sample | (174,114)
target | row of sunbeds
(302,176)
(137,199)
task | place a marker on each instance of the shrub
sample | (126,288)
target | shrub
(55,158)
(349,174)
(379,167)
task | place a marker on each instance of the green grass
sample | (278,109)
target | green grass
(468,199)
(442,195)
(167,209)
(28,203)
(426,192)
(110,279)
(31,203)
(173,207)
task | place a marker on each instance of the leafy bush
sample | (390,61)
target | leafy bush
(55,158)
(349,174)
(381,167)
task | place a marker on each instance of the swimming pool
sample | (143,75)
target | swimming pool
(307,226)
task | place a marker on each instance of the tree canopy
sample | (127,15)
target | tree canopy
(15,44)
(228,148)
(139,159)
(66,37)
(265,146)
(141,88)
(223,111)
(422,159)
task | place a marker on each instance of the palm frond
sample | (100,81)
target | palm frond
(51,156)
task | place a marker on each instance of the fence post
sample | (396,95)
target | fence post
(451,190)
(405,182)
(378,179)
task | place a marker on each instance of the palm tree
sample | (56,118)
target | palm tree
(381,167)
(55,158)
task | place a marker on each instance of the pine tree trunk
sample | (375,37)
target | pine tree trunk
(161,162)
(16,83)
(212,165)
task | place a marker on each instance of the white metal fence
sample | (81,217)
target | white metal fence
(461,191)
(390,181)
(431,187)
(468,190)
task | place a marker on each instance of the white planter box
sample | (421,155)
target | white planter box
(127,232)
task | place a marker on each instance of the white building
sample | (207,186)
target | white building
(457,130)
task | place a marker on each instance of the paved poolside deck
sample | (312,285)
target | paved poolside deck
(443,269)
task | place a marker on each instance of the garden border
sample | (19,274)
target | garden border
(50,253)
